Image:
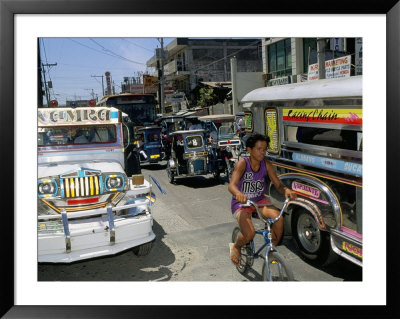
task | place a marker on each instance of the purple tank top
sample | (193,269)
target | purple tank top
(252,184)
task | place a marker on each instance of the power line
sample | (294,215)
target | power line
(115,54)
(151,50)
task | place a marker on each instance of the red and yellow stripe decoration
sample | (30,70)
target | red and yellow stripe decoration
(324,115)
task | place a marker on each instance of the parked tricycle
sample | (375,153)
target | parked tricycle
(169,124)
(149,143)
(188,154)
(222,142)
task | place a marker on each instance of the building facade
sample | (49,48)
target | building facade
(287,60)
(187,61)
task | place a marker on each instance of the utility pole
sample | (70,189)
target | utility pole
(102,83)
(161,76)
(40,83)
(45,82)
(92,93)
(234,84)
(321,42)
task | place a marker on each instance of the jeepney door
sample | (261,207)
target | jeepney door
(126,135)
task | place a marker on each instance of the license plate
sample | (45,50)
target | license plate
(155,156)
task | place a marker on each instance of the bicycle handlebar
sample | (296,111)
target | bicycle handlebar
(269,220)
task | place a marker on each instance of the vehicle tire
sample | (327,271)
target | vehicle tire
(312,243)
(246,254)
(216,175)
(143,249)
(278,267)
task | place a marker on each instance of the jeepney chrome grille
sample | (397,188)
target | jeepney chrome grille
(81,186)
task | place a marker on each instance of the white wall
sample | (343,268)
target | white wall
(246,82)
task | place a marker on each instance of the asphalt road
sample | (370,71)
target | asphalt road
(193,226)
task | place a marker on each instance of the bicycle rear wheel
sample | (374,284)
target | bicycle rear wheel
(246,254)
(278,268)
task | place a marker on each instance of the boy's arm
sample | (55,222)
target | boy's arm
(237,174)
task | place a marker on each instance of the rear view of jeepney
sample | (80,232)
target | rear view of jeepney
(315,131)
(87,205)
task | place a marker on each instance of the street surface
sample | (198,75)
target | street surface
(193,227)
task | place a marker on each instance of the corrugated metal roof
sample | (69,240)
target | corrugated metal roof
(219,84)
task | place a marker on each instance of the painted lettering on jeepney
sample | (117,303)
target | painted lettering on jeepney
(325,115)
(77,116)
(352,249)
(271,130)
(352,118)
(315,115)
(305,189)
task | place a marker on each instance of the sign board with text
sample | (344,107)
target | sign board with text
(337,68)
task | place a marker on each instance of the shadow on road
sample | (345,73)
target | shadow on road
(125,266)
(154,167)
(340,268)
(200,181)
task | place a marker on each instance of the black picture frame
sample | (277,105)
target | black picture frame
(8,10)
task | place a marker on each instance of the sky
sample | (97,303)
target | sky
(82,61)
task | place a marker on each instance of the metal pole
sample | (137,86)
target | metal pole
(102,83)
(45,85)
(45,82)
(321,57)
(234,88)
(162,78)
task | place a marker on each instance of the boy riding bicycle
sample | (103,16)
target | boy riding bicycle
(249,182)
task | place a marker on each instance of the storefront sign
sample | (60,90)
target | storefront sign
(337,68)
(176,97)
(279,81)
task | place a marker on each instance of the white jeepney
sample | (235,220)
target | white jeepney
(87,206)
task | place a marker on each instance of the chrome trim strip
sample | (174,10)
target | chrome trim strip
(332,198)
(110,217)
(93,212)
(344,255)
(66,230)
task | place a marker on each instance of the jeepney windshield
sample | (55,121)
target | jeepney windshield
(194,141)
(226,132)
(83,134)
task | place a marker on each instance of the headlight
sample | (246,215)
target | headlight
(47,188)
(114,182)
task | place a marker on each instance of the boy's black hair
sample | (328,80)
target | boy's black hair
(254,138)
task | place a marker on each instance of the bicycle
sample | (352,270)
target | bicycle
(275,267)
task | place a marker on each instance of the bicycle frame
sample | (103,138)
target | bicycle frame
(266,233)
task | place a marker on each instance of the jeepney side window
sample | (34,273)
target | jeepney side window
(327,137)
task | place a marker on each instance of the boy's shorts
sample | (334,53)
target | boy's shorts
(251,209)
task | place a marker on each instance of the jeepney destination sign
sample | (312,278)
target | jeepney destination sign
(67,116)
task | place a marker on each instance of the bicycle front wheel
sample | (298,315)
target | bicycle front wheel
(279,270)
